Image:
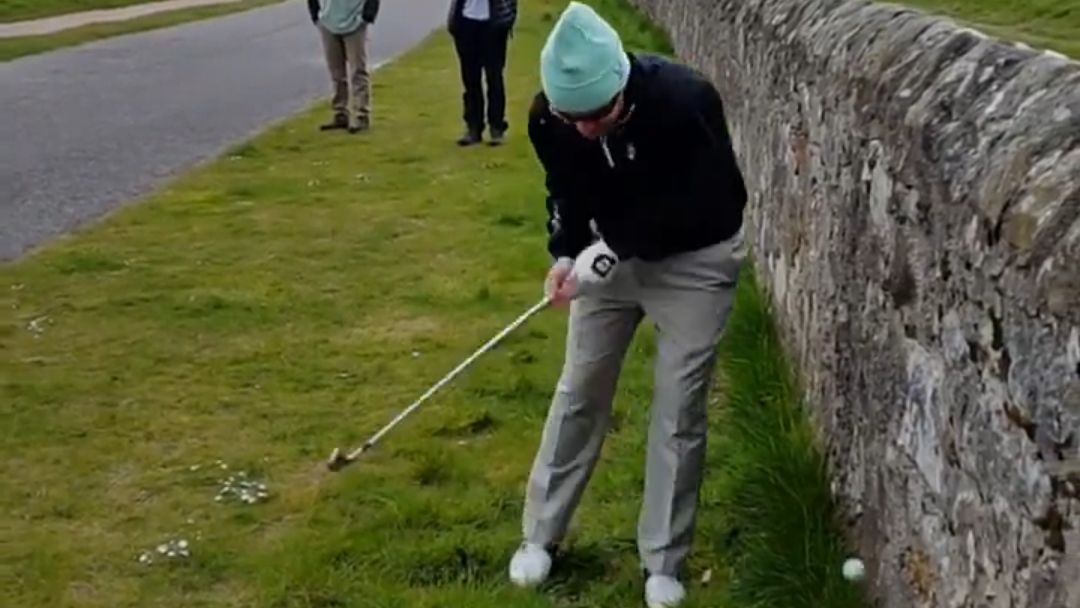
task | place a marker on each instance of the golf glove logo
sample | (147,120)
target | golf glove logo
(595,265)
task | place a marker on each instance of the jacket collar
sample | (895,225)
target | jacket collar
(632,92)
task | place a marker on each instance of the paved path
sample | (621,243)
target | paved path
(51,25)
(87,129)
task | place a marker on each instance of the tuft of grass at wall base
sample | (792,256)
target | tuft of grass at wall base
(777,525)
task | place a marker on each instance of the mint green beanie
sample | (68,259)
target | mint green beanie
(583,64)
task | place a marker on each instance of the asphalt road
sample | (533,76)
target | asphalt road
(86,130)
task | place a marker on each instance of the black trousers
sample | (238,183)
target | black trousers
(481,50)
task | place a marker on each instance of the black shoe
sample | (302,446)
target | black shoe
(498,136)
(471,137)
(361,125)
(340,121)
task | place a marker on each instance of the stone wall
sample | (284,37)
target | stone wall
(916,214)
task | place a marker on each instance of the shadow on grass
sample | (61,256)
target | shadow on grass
(578,568)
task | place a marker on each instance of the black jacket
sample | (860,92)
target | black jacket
(665,182)
(503,13)
(370,11)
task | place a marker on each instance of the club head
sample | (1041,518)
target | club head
(337,460)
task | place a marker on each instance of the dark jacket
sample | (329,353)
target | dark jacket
(503,14)
(665,182)
(370,11)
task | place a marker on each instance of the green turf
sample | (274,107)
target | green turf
(1044,24)
(293,297)
(20,10)
(13,48)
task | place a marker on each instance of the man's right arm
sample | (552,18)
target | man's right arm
(371,11)
(568,219)
(313,10)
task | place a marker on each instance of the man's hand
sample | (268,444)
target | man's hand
(560,285)
(568,278)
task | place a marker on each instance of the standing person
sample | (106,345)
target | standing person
(481,31)
(343,26)
(645,202)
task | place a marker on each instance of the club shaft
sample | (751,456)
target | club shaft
(450,376)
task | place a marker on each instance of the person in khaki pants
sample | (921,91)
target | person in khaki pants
(645,203)
(343,26)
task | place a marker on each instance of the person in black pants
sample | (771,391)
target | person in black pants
(481,31)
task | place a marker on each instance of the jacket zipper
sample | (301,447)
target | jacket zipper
(607,152)
(604,138)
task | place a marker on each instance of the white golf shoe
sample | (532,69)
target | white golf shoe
(663,592)
(530,565)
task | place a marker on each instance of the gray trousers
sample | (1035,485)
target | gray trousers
(347,60)
(688,297)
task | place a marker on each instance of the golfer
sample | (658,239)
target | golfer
(645,202)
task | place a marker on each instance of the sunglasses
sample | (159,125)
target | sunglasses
(591,116)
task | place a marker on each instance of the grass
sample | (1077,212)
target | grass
(775,518)
(21,10)
(1045,24)
(296,295)
(22,46)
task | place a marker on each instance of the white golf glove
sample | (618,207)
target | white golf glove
(595,266)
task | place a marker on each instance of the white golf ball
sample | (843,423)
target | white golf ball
(854,569)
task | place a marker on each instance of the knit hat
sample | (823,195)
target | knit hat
(583,65)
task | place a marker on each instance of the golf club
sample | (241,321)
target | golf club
(338,460)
